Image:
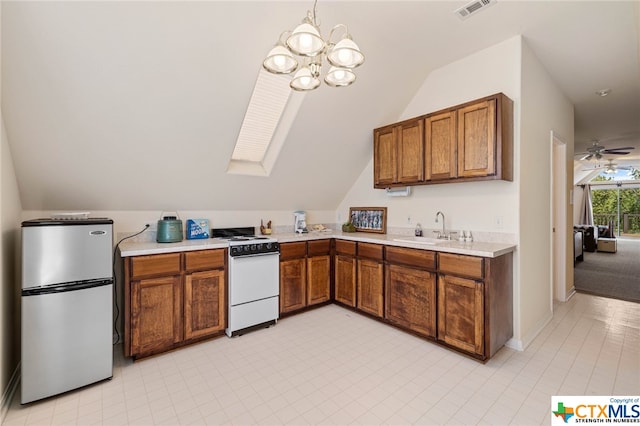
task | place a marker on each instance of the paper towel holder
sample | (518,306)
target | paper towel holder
(398,192)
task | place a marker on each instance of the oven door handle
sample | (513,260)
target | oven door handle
(276,253)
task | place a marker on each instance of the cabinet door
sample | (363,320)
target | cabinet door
(345,280)
(440,146)
(318,279)
(384,157)
(204,303)
(292,284)
(477,139)
(370,280)
(411,299)
(410,144)
(461,313)
(156,315)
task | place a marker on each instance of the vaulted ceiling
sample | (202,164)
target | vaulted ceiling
(137,105)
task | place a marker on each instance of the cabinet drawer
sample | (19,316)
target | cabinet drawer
(156,264)
(411,257)
(204,259)
(468,266)
(293,250)
(346,247)
(371,251)
(318,248)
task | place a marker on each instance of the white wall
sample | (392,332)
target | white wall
(9,269)
(472,205)
(523,206)
(544,108)
(129,222)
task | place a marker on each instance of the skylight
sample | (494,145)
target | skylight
(272,108)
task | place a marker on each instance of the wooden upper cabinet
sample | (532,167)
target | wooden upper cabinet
(399,153)
(204,303)
(440,146)
(471,141)
(410,143)
(384,154)
(476,139)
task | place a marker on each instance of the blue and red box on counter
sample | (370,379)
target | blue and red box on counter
(197,229)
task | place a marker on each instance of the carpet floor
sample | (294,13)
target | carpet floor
(615,275)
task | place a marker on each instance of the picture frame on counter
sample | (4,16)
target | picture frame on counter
(369,219)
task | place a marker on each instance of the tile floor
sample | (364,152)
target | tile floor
(333,366)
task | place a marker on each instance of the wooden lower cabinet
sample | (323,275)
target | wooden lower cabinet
(156,314)
(204,303)
(410,300)
(461,313)
(292,284)
(345,280)
(305,274)
(172,299)
(318,279)
(370,279)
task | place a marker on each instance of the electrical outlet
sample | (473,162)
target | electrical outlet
(499,221)
(408,220)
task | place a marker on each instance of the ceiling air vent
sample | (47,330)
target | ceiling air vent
(474,7)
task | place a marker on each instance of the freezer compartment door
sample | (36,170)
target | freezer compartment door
(60,254)
(66,341)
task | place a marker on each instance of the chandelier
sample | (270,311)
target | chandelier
(303,50)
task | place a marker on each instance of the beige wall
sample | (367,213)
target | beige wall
(472,205)
(9,267)
(544,109)
(129,222)
(522,205)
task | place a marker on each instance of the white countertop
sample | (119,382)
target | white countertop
(475,248)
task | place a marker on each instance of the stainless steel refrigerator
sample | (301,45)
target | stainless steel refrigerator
(67,305)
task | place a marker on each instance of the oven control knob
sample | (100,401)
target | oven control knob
(268,245)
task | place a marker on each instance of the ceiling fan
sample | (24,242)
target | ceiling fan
(597,151)
(611,167)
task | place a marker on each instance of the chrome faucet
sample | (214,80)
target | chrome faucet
(444,233)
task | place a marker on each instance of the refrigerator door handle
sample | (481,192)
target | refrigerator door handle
(64,287)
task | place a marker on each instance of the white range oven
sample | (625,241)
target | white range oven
(254,283)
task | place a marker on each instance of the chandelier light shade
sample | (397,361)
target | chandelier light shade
(337,77)
(280,61)
(303,52)
(304,80)
(345,54)
(305,40)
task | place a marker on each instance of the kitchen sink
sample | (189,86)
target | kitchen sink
(421,240)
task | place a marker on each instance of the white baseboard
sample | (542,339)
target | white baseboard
(522,344)
(9,392)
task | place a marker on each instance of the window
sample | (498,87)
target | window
(272,109)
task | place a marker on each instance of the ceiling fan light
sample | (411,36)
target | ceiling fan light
(339,77)
(304,80)
(305,40)
(346,54)
(280,61)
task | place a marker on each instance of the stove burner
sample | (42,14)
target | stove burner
(239,239)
